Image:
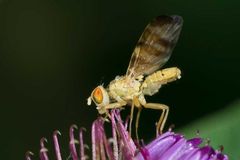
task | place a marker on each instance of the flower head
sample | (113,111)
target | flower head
(168,146)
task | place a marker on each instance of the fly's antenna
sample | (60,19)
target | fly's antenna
(101,83)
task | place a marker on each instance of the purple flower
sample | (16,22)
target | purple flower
(168,146)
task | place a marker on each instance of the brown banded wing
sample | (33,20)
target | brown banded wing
(155,45)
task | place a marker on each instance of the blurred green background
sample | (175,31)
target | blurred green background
(54,52)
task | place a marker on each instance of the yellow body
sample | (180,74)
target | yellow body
(126,89)
(153,82)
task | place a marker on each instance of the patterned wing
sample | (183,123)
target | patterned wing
(155,45)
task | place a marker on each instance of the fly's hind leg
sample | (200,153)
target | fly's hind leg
(163,117)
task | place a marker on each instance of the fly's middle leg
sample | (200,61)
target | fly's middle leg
(137,122)
(135,103)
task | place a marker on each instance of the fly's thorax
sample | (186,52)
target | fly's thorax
(124,88)
(153,82)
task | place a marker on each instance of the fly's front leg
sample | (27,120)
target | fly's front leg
(104,110)
(115,105)
(163,117)
(131,119)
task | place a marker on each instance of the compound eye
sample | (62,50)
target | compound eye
(98,95)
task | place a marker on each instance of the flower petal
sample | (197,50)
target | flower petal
(72,142)
(28,155)
(126,143)
(43,150)
(158,146)
(56,145)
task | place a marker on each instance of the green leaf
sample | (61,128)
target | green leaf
(221,128)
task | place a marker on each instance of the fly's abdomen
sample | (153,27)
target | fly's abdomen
(153,82)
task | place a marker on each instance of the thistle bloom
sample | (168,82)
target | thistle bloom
(168,146)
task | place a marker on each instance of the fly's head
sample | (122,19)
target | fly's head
(100,97)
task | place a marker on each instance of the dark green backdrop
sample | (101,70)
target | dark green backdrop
(54,52)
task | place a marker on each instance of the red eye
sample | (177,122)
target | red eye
(98,95)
